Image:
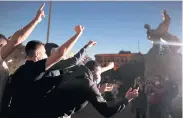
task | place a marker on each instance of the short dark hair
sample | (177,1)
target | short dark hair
(49,47)
(92,64)
(2,37)
(31,47)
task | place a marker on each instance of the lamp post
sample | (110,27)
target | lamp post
(49,20)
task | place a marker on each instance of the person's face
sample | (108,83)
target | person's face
(157,82)
(97,74)
(3,42)
(40,53)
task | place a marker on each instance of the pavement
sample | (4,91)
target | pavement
(90,112)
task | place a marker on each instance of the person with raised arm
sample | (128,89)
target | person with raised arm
(27,92)
(8,46)
(63,65)
(75,90)
(73,61)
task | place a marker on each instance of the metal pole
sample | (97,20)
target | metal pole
(138,46)
(49,20)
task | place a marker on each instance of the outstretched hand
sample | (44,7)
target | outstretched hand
(40,13)
(92,43)
(131,94)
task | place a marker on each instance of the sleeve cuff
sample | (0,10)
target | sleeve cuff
(125,101)
(85,47)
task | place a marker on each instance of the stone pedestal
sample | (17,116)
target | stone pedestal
(168,64)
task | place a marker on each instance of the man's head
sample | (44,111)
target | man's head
(158,80)
(95,68)
(3,40)
(35,50)
(147,26)
(50,48)
(140,80)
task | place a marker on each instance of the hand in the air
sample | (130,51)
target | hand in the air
(79,29)
(102,88)
(92,43)
(40,13)
(111,65)
(131,94)
(109,87)
(106,87)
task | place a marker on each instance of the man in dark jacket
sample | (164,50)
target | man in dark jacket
(140,103)
(28,82)
(66,64)
(76,90)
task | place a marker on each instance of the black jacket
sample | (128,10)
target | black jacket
(77,89)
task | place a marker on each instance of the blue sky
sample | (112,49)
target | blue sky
(114,25)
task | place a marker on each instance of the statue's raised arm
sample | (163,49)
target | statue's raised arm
(162,29)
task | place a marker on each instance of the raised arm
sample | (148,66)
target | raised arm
(64,49)
(70,43)
(68,63)
(108,67)
(22,34)
(95,98)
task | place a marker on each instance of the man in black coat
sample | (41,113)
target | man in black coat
(76,90)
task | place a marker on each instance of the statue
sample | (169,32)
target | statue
(168,63)
(161,32)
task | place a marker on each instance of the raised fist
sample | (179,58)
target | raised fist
(79,29)
(103,88)
(40,13)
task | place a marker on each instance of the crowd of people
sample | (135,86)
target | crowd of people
(154,99)
(49,84)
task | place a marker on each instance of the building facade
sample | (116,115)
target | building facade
(123,57)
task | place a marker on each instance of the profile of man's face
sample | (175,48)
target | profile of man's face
(41,52)
(3,42)
(97,74)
